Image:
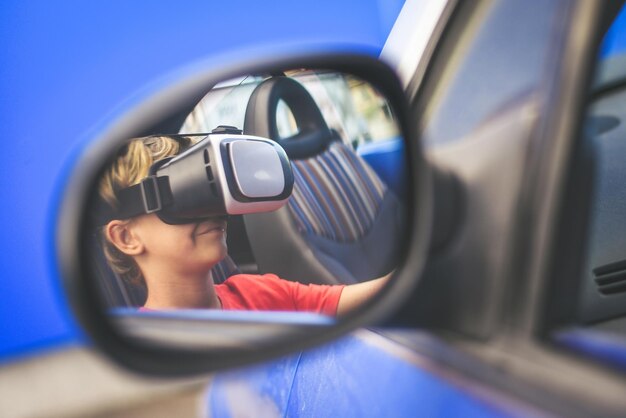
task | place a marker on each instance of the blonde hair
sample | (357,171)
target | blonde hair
(130,167)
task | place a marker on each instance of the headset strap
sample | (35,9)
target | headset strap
(148,196)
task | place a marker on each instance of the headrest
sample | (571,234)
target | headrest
(313,135)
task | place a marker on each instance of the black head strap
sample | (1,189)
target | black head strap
(150,195)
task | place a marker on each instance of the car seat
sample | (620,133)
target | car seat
(342,224)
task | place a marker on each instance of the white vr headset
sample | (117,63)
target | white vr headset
(222,174)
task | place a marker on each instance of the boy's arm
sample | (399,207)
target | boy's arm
(355,294)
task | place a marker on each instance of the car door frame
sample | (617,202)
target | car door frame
(517,358)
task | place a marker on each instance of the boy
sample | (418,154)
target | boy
(175,261)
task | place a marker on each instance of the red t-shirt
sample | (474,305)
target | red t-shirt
(268,292)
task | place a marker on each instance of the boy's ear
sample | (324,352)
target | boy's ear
(120,233)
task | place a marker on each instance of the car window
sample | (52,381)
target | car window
(349,106)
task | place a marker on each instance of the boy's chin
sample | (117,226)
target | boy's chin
(219,255)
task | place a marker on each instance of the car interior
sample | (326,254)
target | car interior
(342,224)
(590,315)
(603,295)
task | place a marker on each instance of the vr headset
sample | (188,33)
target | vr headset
(225,173)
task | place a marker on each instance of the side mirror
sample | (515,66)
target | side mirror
(205,274)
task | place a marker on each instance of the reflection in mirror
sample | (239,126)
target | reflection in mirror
(278,193)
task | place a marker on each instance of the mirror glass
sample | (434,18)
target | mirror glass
(276,205)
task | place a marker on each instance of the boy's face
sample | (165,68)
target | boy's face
(187,248)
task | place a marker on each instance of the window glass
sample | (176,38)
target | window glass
(350,106)
(222,106)
(285,120)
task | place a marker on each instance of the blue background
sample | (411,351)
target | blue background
(69,68)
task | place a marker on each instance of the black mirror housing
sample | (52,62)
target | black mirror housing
(281,337)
